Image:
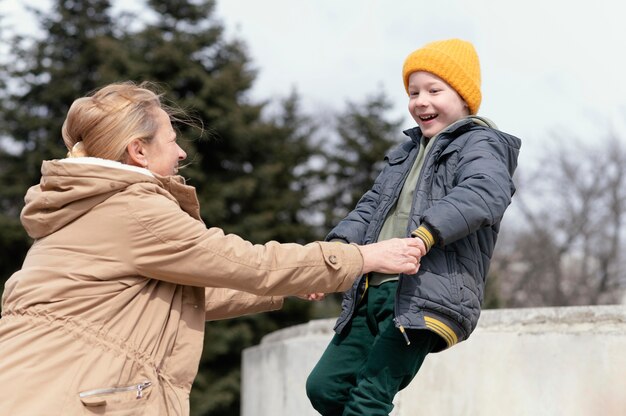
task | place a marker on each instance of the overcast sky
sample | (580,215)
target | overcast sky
(547,65)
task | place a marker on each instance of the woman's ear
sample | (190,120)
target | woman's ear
(137,153)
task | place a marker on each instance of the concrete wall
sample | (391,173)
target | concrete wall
(545,361)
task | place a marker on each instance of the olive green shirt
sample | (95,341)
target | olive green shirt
(397,220)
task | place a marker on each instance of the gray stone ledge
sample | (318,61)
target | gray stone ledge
(519,362)
(605,318)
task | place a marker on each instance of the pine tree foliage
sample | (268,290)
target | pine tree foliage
(249,169)
(365,135)
(41,77)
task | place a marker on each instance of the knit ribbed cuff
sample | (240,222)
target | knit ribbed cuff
(425,235)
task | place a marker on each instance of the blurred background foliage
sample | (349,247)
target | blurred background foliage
(266,170)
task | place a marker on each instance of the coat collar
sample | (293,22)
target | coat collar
(464,124)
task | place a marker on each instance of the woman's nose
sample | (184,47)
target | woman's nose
(182,155)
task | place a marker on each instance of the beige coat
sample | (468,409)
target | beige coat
(107,314)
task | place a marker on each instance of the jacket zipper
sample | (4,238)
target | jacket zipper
(402,331)
(139,387)
(397,295)
(427,156)
(355,302)
(389,207)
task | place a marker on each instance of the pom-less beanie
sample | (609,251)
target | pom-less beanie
(453,60)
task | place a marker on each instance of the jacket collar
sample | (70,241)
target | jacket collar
(464,124)
(71,187)
(174,184)
(95,161)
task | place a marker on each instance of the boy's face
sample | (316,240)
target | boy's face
(433,104)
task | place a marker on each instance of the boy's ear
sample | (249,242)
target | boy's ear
(137,153)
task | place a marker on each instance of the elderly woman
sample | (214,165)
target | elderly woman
(107,314)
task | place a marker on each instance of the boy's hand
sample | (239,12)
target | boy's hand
(316,297)
(421,246)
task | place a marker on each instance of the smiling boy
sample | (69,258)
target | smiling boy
(449,186)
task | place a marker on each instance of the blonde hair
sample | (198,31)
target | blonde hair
(104,123)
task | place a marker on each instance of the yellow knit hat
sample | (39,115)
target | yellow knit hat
(453,60)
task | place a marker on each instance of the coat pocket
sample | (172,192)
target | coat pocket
(117,397)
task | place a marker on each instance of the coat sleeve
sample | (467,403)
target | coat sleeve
(482,192)
(226,303)
(165,243)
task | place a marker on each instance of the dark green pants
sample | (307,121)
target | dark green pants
(363,368)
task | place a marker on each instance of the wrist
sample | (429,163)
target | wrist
(367,260)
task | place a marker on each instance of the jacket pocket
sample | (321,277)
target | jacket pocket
(122,397)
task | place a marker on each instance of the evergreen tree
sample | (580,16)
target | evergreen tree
(41,77)
(365,134)
(267,207)
(249,170)
(246,171)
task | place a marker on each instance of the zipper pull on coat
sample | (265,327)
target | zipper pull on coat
(402,331)
(141,387)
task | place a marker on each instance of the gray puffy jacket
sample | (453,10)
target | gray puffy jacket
(464,188)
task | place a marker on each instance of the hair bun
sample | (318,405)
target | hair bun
(78,150)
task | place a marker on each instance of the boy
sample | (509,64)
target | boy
(448,186)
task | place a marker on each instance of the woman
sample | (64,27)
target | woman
(107,314)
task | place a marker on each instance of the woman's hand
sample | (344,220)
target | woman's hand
(312,296)
(398,255)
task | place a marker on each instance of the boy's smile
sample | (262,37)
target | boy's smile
(434,104)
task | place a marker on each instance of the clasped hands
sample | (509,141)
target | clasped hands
(397,255)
